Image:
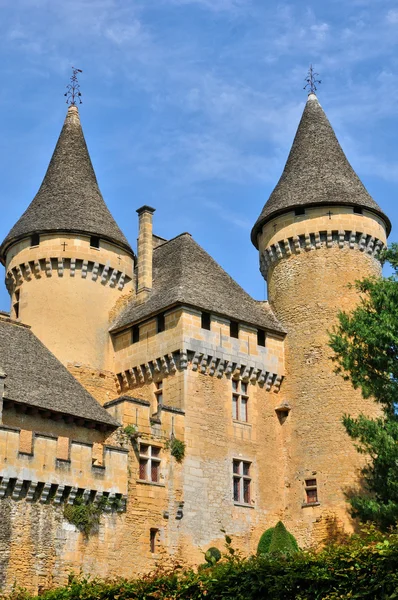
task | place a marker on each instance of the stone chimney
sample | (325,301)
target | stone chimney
(145,252)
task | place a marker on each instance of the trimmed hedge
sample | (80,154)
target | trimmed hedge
(277,539)
(364,568)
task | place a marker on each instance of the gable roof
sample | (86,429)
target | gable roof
(183,273)
(316,172)
(34,376)
(69,198)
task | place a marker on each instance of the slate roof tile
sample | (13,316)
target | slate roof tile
(36,377)
(183,273)
(316,172)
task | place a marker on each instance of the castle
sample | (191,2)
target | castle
(155,387)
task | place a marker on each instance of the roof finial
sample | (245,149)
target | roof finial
(73,89)
(311,81)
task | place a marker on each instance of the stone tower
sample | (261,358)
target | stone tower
(67,262)
(319,231)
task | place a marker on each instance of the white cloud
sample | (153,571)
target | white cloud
(392,17)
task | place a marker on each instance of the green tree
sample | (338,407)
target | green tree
(365,344)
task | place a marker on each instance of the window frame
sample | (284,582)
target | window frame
(240,395)
(234,329)
(261,337)
(95,242)
(160,323)
(153,535)
(15,306)
(299,211)
(135,334)
(311,486)
(241,482)
(205,322)
(35,237)
(159,394)
(149,460)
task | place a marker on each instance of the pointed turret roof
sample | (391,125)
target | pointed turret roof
(316,172)
(69,199)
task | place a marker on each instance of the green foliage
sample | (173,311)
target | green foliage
(212,555)
(85,516)
(131,430)
(365,568)
(365,345)
(277,539)
(366,340)
(177,449)
(265,541)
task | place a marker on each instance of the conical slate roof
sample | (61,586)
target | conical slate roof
(316,172)
(69,198)
(184,273)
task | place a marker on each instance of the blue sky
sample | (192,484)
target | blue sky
(191,105)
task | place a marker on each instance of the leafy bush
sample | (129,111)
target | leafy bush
(212,555)
(365,568)
(277,539)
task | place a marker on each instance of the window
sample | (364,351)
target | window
(206,320)
(94,241)
(260,337)
(135,334)
(241,481)
(160,324)
(299,211)
(357,210)
(35,240)
(16,304)
(159,395)
(234,329)
(153,534)
(311,491)
(149,463)
(240,400)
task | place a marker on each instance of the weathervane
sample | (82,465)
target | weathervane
(311,80)
(73,89)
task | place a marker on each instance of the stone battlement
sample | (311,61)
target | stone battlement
(353,240)
(47,267)
(204,360)
(30,457)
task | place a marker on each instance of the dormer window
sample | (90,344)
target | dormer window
(94,241)
(299,211)
(35,240)
(357,210)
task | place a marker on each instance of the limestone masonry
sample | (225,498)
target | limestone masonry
(108,360)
